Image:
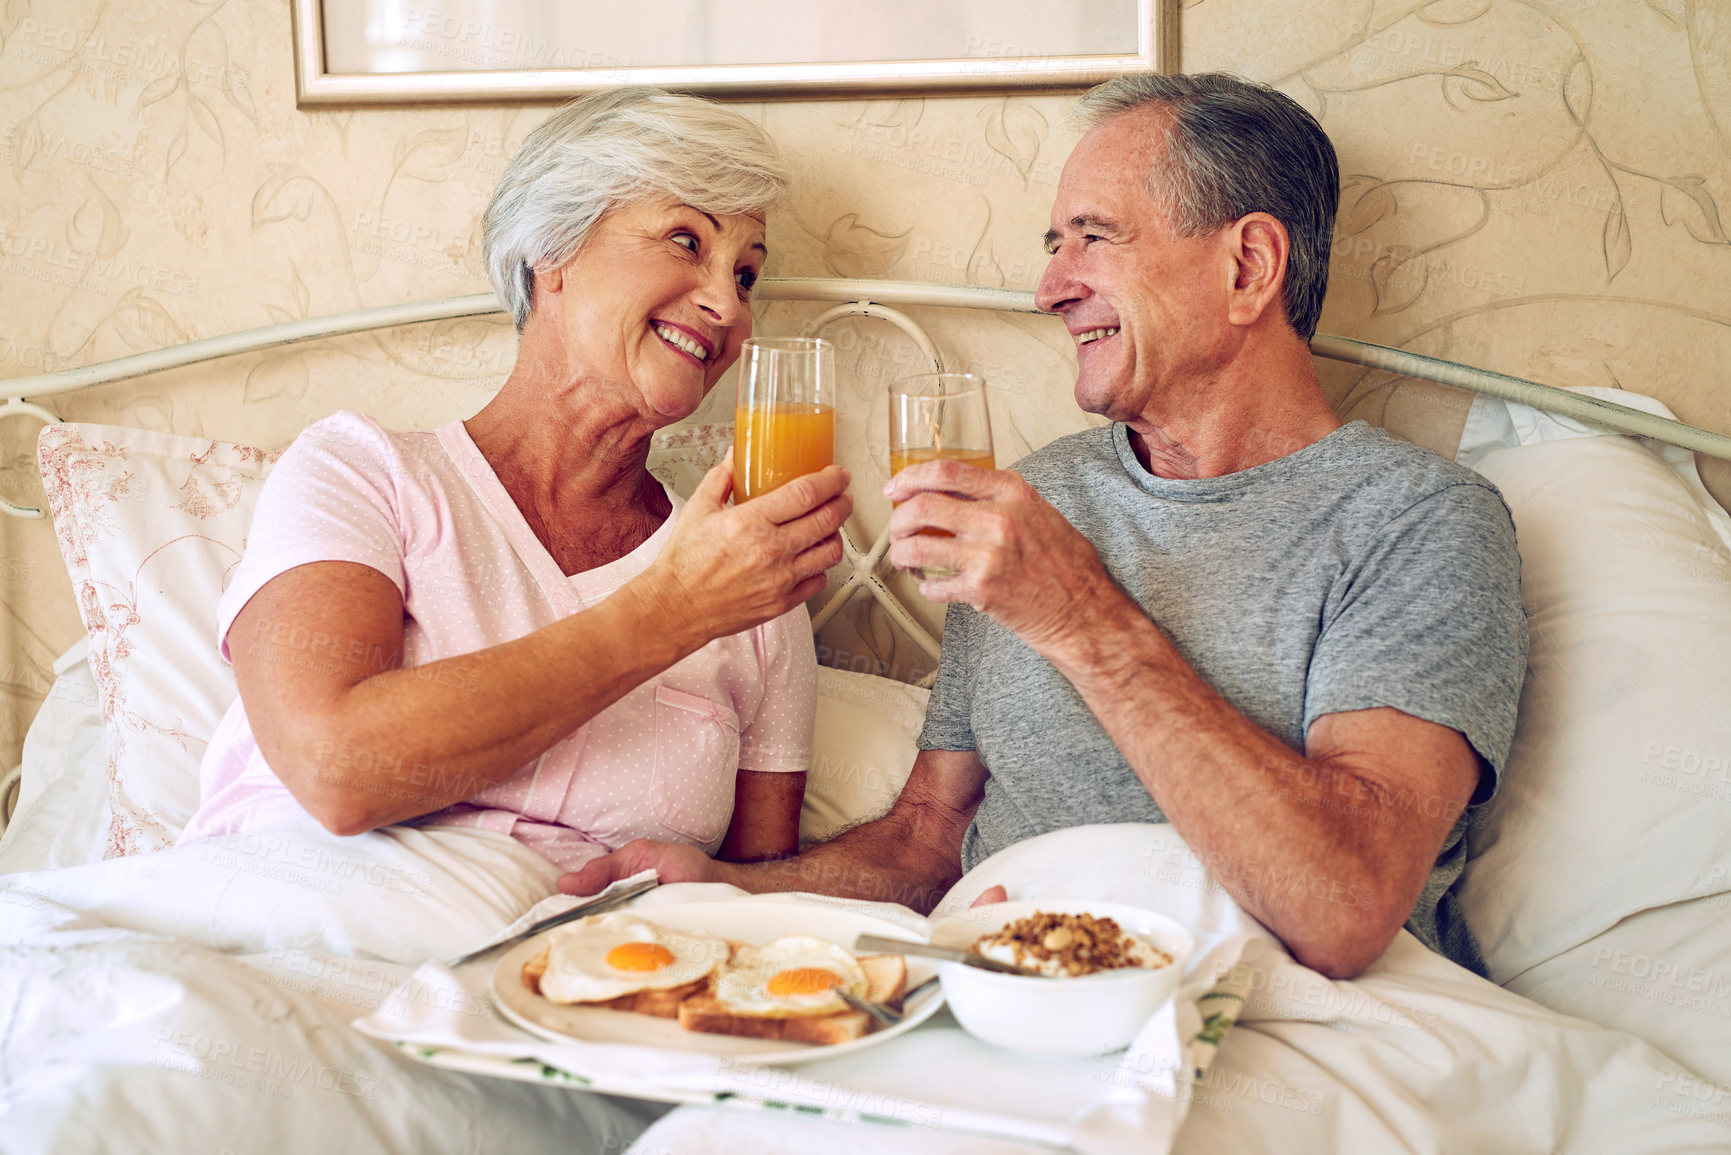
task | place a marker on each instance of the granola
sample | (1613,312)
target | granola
(1069,944)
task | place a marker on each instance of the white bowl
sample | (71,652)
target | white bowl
(1090,1015)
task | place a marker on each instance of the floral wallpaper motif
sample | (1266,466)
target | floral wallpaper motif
(1537,186)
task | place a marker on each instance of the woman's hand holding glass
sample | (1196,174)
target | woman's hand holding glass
(729,568)
(732,568)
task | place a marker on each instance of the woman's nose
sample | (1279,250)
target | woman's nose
(719,299)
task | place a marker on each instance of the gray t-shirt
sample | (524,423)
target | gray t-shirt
(1359,571)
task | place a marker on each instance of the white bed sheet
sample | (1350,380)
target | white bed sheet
(1417,1055)
(199,998)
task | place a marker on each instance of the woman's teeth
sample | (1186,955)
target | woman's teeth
(1095,335)
(680,341)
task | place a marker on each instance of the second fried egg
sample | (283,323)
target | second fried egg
(791,977)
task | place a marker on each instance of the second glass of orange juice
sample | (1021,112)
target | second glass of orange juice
(784,414)
(937,416)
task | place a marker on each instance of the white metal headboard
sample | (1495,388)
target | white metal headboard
(854,298)
(857,297)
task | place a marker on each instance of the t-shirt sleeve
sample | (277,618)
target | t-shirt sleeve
(331,497)
(949,711)
(778,739)
(1428,620)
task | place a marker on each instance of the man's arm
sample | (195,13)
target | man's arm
(1325,848)
(912,855)
(1329,849)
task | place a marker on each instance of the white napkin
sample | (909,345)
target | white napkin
(555,904)
(935,1076)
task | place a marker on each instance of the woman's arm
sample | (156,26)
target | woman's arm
(362,743)
(765,817)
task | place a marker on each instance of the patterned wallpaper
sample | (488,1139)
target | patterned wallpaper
(1530,185)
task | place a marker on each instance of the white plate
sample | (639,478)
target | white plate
(744,921)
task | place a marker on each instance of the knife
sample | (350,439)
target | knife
(594,905)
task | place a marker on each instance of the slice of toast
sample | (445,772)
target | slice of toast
(886,982)
(663,1004)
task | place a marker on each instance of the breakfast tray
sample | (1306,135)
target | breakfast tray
(935,1076)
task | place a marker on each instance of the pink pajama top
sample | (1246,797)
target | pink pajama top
(426,510)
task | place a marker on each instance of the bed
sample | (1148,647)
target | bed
(203,995)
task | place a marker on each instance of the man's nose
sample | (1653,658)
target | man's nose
(1058,286)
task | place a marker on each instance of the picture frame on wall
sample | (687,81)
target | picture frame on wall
(393,52)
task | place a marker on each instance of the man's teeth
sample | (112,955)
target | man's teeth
(1095,335)
(680,341)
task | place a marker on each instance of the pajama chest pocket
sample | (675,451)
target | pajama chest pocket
(696,762)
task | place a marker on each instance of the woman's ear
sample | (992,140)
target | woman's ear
(549,277)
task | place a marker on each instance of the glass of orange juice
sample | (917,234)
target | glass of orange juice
(784,412)
(937,416)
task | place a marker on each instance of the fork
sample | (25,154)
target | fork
(887,1015)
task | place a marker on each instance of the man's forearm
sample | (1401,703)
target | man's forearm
(879,861)
(1261,816)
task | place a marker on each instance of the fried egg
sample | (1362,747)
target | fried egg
(792,977)
(608,956)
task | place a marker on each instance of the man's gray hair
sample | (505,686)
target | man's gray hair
(1237,147)
(612,148)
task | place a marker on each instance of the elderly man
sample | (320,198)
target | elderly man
(1299,642)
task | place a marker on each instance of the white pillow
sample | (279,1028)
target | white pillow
(862,750)
(1617,794)
(62,814)
(150,525)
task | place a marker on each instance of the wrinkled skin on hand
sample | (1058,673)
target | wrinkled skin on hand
(1017,559)
(734,567)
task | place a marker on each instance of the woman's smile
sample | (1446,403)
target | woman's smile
(683,340)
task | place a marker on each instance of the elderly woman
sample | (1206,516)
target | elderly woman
(507,622)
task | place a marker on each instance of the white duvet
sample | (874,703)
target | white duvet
(1417,1055)
(199,999)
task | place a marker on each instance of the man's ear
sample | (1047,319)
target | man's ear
(1258,245)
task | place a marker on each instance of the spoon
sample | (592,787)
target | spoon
(868,943)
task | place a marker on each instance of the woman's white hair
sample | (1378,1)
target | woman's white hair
(613,148)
